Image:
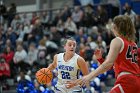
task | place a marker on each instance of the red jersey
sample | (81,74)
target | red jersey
(127,60)
(4,69)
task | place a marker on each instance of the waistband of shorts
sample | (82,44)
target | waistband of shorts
(127,73)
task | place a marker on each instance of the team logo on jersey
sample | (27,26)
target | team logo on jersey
(68,68)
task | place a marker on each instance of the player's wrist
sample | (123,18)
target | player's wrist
(51,67)
(74,84)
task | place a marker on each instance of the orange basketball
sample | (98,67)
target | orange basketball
(44,76)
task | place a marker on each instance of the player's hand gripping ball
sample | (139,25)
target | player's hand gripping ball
(44,76)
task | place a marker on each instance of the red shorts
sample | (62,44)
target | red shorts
(127,84)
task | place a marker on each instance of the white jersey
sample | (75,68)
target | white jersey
(67,71)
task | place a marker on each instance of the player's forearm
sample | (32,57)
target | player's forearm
(51,67)
(101,60)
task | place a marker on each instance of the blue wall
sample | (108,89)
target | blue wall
(135,4)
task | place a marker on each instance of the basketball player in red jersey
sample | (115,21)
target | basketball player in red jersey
(123,56)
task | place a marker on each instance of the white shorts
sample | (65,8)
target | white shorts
(63,89)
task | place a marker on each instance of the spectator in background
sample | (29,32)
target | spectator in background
(124,8)
(9,43)
(39,87)
(42,44)
(19,41)
(109,36)
(101,42)
(109,24)
(94,32)
(65,13)
(34,17)
(90,17)
(4,73)
(61,27)
(130,13)
(27,30)
(81,34)
(57,17)
(102,15)
(11,12)
(24,19)
(92,43)
(8,54)
(25,83)
(88,52)
(70,27)
(20,31)
(42,53)
(77,16)
(45,18)
(32,54)
(15,22)
(2,41)
(82,50)
(20,58)
(51,46)
(55,35)
(37,32)
(23,76)
(115,6)
(3,11)
(12,36)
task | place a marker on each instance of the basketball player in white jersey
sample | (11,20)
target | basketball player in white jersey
(68,64)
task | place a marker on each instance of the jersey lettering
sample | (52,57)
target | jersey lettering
(132,53)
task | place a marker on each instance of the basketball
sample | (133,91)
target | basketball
(44,76)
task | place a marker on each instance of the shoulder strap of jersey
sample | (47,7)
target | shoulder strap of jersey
(122,43)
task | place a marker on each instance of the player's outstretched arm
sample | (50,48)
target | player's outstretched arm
(115,48)
(53,65)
